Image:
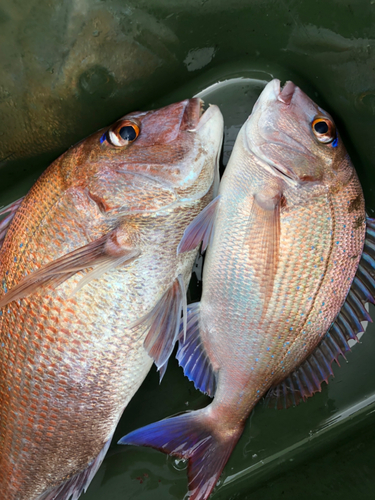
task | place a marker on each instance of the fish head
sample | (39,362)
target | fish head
(172,150)
(295,139)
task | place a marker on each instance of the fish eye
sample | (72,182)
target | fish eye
(324,130)
(123,133)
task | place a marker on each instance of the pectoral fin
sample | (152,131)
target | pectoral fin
(264,239)
(163,324)
(103,254)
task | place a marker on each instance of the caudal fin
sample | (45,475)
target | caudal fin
(190,436)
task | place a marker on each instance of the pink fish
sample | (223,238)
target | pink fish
(92,290)
(286,278)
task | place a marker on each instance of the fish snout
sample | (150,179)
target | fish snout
(287,92)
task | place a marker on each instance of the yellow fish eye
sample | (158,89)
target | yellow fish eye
(324,130)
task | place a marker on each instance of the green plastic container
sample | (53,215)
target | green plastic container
(69,68)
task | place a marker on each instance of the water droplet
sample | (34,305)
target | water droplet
(179,463)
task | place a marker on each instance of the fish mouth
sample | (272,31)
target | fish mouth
(274,94)
(194,110)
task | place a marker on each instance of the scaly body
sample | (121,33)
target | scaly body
(72,358)
(289,231)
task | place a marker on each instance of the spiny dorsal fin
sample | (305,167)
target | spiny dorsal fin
(191,354)
(317,368)
(10,210)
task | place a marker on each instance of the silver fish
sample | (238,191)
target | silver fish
(287,248)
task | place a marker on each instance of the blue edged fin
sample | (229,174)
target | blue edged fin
(192,437)
(74,487)
(317,368)
(200,229)
(192,355)
(10,212)
(163,324)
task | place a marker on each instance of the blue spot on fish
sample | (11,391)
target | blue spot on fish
(21,245)
(103,138)
(335,142)
(297,287)
(291,328)
(15,259)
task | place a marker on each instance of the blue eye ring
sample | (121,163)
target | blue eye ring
(335,142)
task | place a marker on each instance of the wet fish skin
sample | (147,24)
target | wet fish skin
(288,236)
(71,359)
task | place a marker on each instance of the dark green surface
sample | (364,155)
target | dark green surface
(68,68)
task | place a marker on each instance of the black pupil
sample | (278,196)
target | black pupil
(128,133)
(321,127)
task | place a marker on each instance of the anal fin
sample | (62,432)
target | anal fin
(317,368)
(192,355)
(78,484)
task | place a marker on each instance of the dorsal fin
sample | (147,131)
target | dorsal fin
(317,368)
(10,210)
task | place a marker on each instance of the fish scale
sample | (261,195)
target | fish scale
(285,262)
(73,356)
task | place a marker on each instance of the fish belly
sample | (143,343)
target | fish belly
(69,362)
(252,342)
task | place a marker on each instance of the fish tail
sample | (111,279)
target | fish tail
(190,436)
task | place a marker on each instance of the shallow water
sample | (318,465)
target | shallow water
(123,57)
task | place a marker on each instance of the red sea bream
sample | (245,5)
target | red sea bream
(92,290)
(287,274)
